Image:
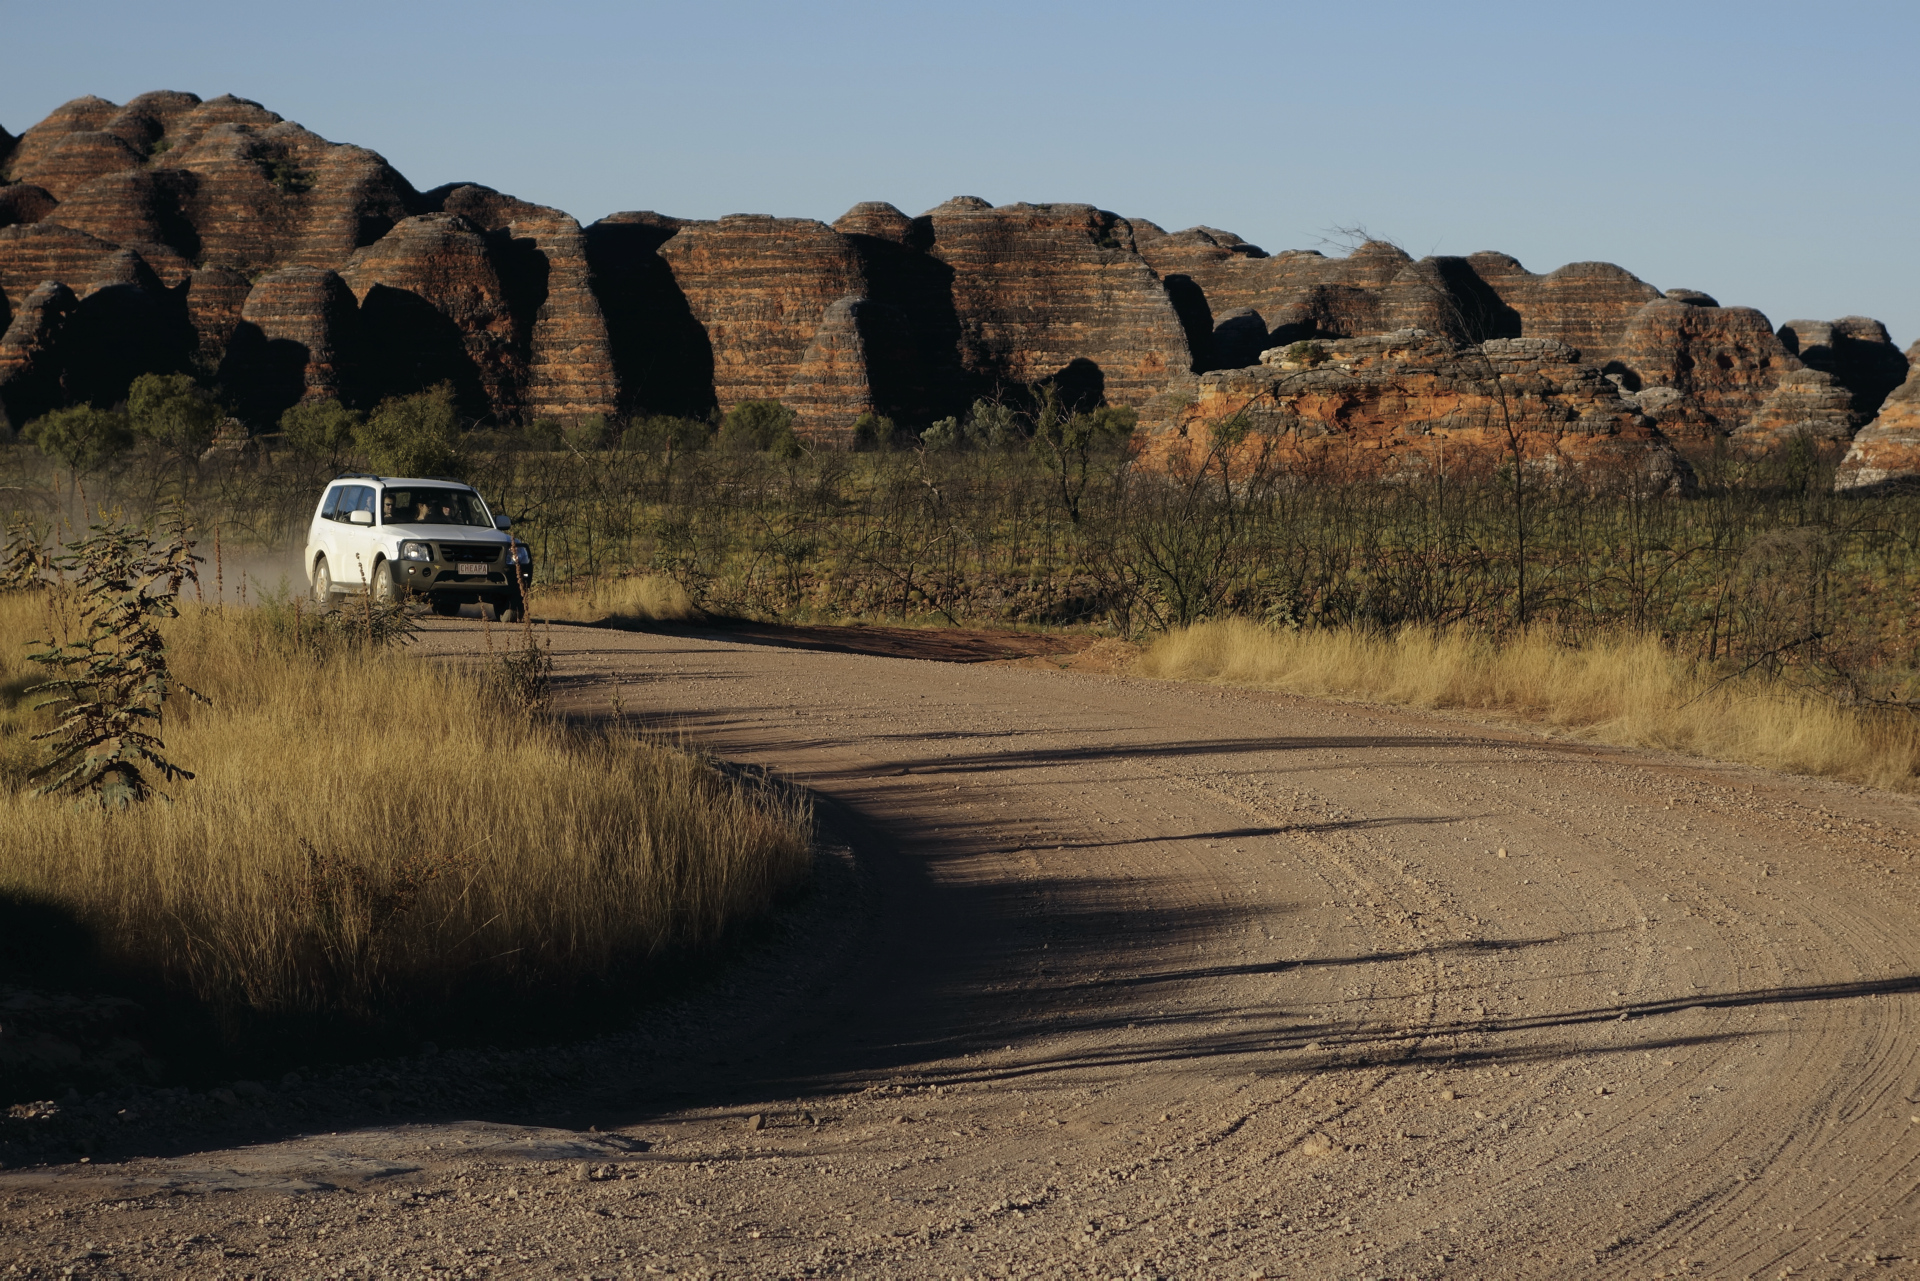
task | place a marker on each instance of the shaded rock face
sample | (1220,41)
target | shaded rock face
(24,202)
(662,357)
(435,310)
(30,355)
(1885,454)
(297,339)
(1414,402)
(1855,350)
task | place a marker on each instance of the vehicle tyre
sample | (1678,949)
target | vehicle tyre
(323,593)
(381,588)
(509,611)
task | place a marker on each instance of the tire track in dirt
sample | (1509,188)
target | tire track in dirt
(1183,981)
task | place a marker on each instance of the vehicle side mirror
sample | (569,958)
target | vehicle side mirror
(360,518)
(503,522)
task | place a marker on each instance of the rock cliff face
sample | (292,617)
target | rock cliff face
(1056,292)
(297,338)
(761,289)
(1885,454)
(177,233)
(1414,403)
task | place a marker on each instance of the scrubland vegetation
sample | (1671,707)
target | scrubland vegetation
(1764,586)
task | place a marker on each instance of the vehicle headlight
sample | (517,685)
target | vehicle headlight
(520,554)
(416,551)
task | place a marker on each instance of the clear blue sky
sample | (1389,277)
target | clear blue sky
(1763,152)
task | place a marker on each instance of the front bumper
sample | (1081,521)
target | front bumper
(442,579)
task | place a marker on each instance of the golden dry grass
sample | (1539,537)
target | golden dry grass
(647,598)
(1630,690)
(370,832)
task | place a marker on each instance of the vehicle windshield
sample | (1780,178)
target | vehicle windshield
(433,507)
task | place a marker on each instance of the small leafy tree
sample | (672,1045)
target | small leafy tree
(82,437)
(765,426)
(108,687)
(413,435)
(873,431)
(1067,443)
(321,429)
(174,412)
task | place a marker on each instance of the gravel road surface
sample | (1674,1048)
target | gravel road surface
(1133,979)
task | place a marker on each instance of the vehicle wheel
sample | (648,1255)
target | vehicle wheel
(382,588)
(445,607)
(509,611)
(323,594)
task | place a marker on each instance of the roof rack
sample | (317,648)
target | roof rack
(358,475)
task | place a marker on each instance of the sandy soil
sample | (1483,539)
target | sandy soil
(1131,979)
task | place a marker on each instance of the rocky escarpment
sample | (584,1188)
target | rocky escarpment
(1419,403)
(225,224)
(176,233)
(1885,454)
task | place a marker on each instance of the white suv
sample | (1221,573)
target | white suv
(393,537)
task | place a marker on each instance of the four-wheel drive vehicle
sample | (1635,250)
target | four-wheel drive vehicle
(393,537)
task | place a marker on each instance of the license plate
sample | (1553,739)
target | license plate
(472,567)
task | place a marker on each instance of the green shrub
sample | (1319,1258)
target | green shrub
(873,431)
(82,437)
(413,435)
(765,426)
(321,429)
(657,433)
(174,412)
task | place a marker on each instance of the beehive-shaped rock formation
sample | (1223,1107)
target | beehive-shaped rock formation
(176,233)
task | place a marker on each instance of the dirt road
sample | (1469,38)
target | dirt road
(1139,979)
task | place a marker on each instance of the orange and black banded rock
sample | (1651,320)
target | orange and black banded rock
(33,253)
(569,371)
(1885,454)
(215,298)
(1727,360)
(31,369)
(434,309)
(1056,293)
(1418,403)
(1805,404)
(23,202)
(1854,349)
(157,214)
(1586,305)
(298,339)
(760,288)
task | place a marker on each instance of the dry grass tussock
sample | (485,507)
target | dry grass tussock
(1629,690)
(647,598)
(368,834)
